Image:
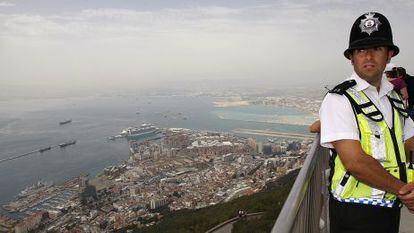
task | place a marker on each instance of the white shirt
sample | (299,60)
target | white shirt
(337,117)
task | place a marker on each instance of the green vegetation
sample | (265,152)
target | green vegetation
(269,201)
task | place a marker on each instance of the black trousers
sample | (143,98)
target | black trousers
(360,218)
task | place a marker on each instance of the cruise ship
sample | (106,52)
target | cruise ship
(142,132)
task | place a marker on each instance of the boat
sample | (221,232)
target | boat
(142,132)
(65,122)
(41,150)
(68,143)
(113,138)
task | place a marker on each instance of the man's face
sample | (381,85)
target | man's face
(370,63)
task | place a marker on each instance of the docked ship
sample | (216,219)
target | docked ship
(142,132)
(33,188)
(65,122)
(113,138)
(68,143)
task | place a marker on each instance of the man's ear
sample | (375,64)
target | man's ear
(390,53)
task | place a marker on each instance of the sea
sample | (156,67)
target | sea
(30,124)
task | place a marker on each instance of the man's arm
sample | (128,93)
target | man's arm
(406,193)
(365,168)
(409,147)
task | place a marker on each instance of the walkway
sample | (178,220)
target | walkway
(227,226)
(407,221)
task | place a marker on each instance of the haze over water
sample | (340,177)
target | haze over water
(27,125)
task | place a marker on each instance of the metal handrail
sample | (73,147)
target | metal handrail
(305,209)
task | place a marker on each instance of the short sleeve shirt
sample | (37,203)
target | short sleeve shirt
(337,117)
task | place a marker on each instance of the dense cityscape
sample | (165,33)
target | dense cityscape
(173,168)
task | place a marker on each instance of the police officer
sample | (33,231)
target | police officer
(366,126)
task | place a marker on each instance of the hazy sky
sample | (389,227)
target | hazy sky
(141,42)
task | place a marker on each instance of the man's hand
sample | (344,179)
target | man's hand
(315,127)
(406,195)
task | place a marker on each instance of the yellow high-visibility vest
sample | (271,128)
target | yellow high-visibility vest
(384,144)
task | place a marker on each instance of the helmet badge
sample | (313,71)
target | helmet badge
(370,24)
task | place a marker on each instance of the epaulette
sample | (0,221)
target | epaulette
(341,88)
(397,102)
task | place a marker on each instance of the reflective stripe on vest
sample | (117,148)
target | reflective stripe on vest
(380,142)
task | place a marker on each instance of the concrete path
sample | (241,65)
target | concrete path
(407,221)
(225,229)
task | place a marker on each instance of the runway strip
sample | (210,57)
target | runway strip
(270,133)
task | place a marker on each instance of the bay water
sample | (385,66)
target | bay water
(30,124)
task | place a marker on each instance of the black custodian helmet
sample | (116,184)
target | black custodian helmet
(370,30)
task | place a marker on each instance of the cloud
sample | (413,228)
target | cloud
(113,22)
(7,4)
(283,40)
(110,22)
(299,16)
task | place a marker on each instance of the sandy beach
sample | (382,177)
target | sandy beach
(226,104)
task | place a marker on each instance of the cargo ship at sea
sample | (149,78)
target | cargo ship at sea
(68,143)
(142,132)
(65,122)
(41,150)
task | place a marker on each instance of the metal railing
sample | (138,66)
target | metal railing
(306,209)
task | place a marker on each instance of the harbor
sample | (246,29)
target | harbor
(44,197)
